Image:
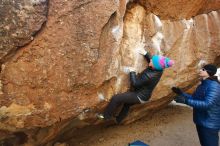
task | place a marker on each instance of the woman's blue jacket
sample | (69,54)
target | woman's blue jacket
(206,103)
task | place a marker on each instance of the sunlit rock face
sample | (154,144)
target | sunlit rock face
(65,70)
(74,65)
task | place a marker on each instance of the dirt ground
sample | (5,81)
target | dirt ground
(171,126)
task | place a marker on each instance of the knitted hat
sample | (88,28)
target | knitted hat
(211,69)
(161,62)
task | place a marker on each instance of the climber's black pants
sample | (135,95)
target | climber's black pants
(126,99)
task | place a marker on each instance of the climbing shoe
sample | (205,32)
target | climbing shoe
(100,116)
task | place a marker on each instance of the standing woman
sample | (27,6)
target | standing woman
(206,106)
(142,84)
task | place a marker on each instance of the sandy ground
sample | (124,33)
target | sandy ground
(171,126)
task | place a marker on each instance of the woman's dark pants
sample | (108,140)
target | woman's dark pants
(207,136)
(126,99)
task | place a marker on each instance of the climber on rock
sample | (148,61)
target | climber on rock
(142,86)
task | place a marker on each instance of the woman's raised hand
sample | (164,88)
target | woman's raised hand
(142,51)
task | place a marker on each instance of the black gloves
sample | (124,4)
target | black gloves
(177,90)
(180,99)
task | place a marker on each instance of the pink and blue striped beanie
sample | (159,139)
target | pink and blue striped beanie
(161,62)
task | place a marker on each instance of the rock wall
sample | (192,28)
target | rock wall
(20,21)
(74,63)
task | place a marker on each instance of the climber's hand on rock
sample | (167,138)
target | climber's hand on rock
(142,51)
(127,69)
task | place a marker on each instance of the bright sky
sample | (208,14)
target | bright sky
(218,74)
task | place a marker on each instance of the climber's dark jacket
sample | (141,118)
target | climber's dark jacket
(144,83)
(206,103)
